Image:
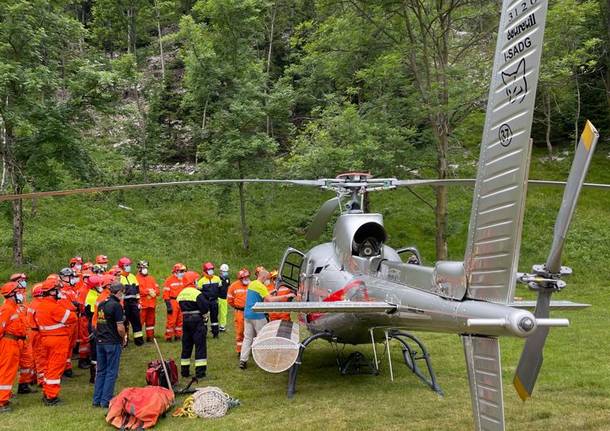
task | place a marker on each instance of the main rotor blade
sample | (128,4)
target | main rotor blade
(318,224)
(10,197)
(578,172)
(531,357)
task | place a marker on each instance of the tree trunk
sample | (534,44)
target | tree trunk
(242,212)
(442,166)
(17,213)
(269,51)
(160,40)
(547,118)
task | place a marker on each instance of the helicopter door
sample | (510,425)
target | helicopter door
(290,268)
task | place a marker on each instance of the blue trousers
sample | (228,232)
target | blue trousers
(108,359)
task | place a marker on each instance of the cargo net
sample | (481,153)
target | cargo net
(277,345)
(209,402)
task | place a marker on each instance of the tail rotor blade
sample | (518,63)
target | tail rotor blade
(578,172)
(319,222)
(531,357)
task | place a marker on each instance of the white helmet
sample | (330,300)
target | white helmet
(224,267)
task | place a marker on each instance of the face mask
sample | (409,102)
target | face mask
(73,281)
(78,267)
(23,283)
(246,281)
(225,274)
(128,268)
(144,271)
(99,289)
(19,298)
(179,275)
(210,272)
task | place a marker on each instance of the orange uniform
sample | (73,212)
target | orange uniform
(70,301)
(12,336)
(34,337)
(27,368)
(84,347)
(236,298)
(173,325)
(148,302)
(55,323)
(283,290)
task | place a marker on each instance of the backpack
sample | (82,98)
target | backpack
(155,376)
(139,408)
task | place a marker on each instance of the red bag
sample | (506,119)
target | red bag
(155,375)
(139,408)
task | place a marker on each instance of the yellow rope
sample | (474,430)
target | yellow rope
(186,411)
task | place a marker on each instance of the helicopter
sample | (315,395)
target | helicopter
(358,290)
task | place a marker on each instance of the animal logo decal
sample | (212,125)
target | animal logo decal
(516,84)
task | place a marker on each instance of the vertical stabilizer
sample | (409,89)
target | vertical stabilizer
(485,378)
(494,235)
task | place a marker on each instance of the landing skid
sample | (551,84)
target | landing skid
(356,363)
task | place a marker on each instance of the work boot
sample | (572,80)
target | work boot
(5,408)
(243,365)
(138,341)
(221,328)
(24,388)
(185,371)
(49,402)
(92,371)
(84,363)
(68,373)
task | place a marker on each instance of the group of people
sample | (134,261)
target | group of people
(87,308)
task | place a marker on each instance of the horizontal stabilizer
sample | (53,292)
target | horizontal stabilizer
(555,305)
(324,307)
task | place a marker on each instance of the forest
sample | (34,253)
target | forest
(122,91)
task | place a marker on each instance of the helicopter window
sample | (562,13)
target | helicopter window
(318,269)
(368,240)
(291,269)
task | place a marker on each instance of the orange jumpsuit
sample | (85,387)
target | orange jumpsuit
(68,301)
(236,298)
(55,322)
(148,303)
(27,368)
(283,290)
(34,335)
(173,325)
(12,336)
(84,346)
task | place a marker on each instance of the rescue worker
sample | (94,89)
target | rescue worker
(76,263)
(281,290)
(257,270)
(12,337)
(236,297)
(210,285)
(54,321)
(131,301)
(225,282)
(257,292)
(69,300)
(194,307)
(171,289)
(110,337)
(96,285)
(84,345)
(27,369)
(102,261)
(149,290)
(34,334)
(98,269)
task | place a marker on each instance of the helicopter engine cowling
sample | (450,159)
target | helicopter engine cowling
(359,236)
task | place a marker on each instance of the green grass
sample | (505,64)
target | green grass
(187,225)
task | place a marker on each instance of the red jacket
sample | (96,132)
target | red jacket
(53,318)
(12,320)
(236,295)
(172,287)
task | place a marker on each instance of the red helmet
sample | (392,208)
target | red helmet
(9,288)
(52,277)
(101,259)
(207,266)
(50,283)
(178,267)
(18,276)
(94,281)
(123,262)
(75,260)
(87,266)
(243,273)
(37,290)
(115,270)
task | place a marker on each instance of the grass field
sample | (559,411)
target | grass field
(573,391)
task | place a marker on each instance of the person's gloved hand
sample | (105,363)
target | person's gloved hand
(152,293)
(168,304)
